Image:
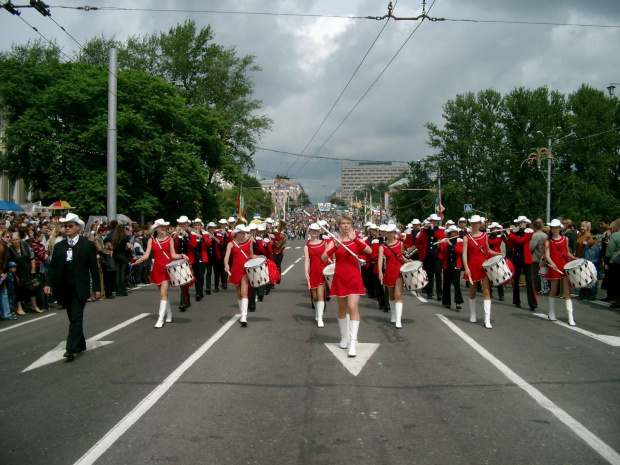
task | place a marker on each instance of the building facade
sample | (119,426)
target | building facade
(282,193)
(356,177)
(13,190)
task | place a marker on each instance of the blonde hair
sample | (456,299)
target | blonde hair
(345,217)
(587,224)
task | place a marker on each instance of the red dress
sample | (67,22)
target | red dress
(160,250)
(556,249)
(316,264)
(392,263)
(347,275)
(476,256)
(237,271)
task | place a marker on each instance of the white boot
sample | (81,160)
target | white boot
(398,310)
(487,314)
(552,309)
(162,313)
(569,310)
(392,311)
(244,312)
(472,310)
(354,326)
(168,312)
(316,312)
(320,307)
(343,324)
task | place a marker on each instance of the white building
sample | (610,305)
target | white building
(355,177)
(282,192)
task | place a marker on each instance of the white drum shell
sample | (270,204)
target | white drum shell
(497,270)
(581,273)
(328,273)
(179,272)
(257,271)
(414,275)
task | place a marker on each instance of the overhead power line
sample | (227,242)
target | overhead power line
(301,155)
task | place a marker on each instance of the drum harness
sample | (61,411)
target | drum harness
(561,253)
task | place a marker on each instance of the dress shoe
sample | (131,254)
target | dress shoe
(208,292)
(198,298)
(70,356)
(533,308)
(216,290)
(501,299)
(182,308)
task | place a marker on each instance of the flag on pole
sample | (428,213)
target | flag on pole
(241,205)
(439,207)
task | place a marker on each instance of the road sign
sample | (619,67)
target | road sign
(468,208)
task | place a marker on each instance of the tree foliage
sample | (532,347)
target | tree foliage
(486,139)
(255,198)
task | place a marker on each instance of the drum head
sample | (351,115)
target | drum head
(254,262)
(492,260)
(411,266)
(329,269)
(574,264)
(176,262)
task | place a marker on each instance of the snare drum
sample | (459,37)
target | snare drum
(497,270)
(257,271)
(581,273)
(180,272)
(328,273)
(414,276)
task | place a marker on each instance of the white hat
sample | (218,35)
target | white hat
(222,221)
(409,225)
(426,222)
(434,217)
(415,221)
(462,219)
(241,228)
(159,222)
(391,228)
(252,226)
(368,223)
(71,217)
(211,225)
(475,219)
(553,224)
(261,227)
(321,222)
(483,219)
(269,220)
(373,226)
(198,220)
(383,228)
(449,222)
(315,227)
(231,219)
(183,219)
(495,224)
(521,219)
(453,229)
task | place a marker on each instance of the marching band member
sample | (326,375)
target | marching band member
(382,294)
(199,243)
(222,237)
(314,266)
(368,271)
(462,227)
(427,250)
(181,244)
(412,237)
(240,250)
(214,254)
(261,247)
(495,244)
(519,240)
(162,247)
(558,255)
(392,251)
(475,252)
(450,252)
(347,284)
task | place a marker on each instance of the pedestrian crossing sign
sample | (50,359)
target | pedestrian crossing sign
(467,208)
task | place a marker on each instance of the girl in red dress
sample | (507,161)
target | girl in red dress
(557,255)
(392,252)
(162,246)
(347,284)
(475,252)
(314,265)
(240,248)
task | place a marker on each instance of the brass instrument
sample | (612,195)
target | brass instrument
(240,220)
(281,225)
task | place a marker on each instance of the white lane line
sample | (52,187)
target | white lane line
(590,438)
(300,258)
(422,299)
(611,340)
(597,302)
(132,417)
(286,248)
(297,248)
(29,321)
(119,326)
(286,271)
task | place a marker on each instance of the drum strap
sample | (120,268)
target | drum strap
(559,250)
(482,251)
(391,250)
(161,248)
(237,245)
(315,253)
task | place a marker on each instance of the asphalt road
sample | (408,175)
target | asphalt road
(204,390)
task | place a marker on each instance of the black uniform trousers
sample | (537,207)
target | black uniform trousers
(199,274)
(432,266)
(451,277)
(76,342)
(521,267)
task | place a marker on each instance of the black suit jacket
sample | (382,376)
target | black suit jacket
(84,263)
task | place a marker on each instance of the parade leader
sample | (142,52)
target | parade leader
(73,264)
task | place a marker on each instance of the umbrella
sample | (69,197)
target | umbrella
(124,219)
(6,205)
(60,205)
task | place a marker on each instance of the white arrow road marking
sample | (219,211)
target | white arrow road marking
(56,354)
(611,340)
(420,298)
(354,364)
(26,322)
(590,438)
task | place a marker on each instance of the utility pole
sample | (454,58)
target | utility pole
(112,134)
(550,160)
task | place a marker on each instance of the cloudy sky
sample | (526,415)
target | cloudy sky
(307,61)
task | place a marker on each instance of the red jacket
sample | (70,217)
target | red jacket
(524,240)
(495,243)
(422,241)
(193,243)
(442,253)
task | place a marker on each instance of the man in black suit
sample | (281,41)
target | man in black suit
(68,273)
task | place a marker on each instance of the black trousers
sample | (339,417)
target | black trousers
(432,266)
(76,342)
(219,275)
(278,261)
(382,296)
(536,276)
(367,276)
(210,269)
(109,278)
(121,262)
(199,273)
(451,277)
(521,267)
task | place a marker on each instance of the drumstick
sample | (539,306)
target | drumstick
(362,262)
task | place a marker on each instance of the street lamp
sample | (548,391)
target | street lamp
(550,159)
(612,87)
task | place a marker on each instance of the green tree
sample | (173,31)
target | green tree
(256,200)
(416,199)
